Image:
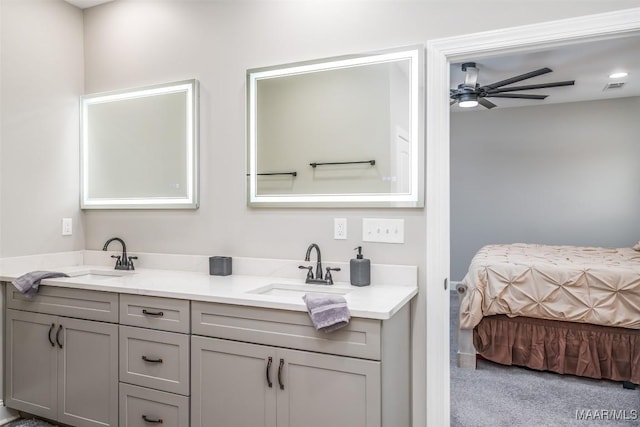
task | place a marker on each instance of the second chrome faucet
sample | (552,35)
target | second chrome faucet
(317,279)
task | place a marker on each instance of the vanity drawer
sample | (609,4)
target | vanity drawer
(79,303)
(284,328)
(154,359)
(166,314)
(138,403)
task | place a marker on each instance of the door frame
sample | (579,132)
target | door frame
(440,53)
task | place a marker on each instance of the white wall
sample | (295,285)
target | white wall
(556,174)
(133,43)
(42,79)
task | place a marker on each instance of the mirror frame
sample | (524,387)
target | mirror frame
(191,201)
(413,199)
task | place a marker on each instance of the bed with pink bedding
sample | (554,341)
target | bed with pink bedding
(565,309)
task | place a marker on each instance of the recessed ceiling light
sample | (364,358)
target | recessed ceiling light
(618,75)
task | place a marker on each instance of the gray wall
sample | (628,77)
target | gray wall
(563,174)
(42,78)
(134,43)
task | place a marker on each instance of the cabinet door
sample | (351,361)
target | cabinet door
(322,390)
(31,364)
(229,385)
(88,373)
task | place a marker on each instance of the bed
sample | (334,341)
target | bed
(566,309)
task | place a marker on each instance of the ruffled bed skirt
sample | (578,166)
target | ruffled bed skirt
(563,347)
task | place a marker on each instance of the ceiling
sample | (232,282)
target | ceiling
(83,4)
(589,64)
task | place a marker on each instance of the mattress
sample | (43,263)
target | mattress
(600,286)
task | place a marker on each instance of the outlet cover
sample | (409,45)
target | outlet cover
(67,226)
(383,230)
(340,228)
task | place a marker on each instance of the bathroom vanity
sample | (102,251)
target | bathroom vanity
(189,349)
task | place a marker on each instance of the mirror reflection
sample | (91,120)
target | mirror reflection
(139,148)
(345,130)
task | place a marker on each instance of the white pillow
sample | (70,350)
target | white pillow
(637,246)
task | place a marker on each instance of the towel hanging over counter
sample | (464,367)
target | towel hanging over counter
(28,283)
(327,312)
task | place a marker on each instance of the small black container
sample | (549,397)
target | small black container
(220,265)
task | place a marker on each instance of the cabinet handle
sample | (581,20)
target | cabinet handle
(280,374)
(146,359)
(152,313)
(58,336)
(269,383)
(53,325)
(151,421)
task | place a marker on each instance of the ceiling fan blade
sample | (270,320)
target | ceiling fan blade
(518,78)
(516,95)
(528,87)
(486,103)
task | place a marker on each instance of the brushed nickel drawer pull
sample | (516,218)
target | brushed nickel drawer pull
(146,359)
(151,421)
(152,313)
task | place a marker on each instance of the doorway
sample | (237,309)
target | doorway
(440,54)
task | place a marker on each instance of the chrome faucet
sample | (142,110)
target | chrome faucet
(122,261)
(317,279)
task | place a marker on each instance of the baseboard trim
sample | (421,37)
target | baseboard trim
(7,415)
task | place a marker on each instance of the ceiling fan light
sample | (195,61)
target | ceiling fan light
(468,104)
(468,100)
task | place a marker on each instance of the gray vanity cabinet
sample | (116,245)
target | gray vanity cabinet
(61,368)
(263,367)
(241,384)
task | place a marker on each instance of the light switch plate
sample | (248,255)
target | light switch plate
(383,230)
(67,226)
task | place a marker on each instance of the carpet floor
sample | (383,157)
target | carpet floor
(496,395)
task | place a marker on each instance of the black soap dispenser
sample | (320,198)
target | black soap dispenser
(360,269)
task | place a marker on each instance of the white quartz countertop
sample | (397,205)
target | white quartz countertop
(378,301)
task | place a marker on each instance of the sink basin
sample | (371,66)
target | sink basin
(292,290)
(98,275)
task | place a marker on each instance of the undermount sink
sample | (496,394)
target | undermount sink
(98,275)
(293,290)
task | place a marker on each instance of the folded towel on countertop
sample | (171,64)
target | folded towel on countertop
(327,312)
(28,283)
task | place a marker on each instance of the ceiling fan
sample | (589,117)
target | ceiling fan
(470,93)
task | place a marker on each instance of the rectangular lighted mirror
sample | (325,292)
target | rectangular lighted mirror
(343,132)
(139,148)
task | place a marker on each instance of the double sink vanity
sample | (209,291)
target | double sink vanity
(179,347)
(107,347)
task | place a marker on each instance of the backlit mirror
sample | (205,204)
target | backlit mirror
(344,131)
(139,148)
